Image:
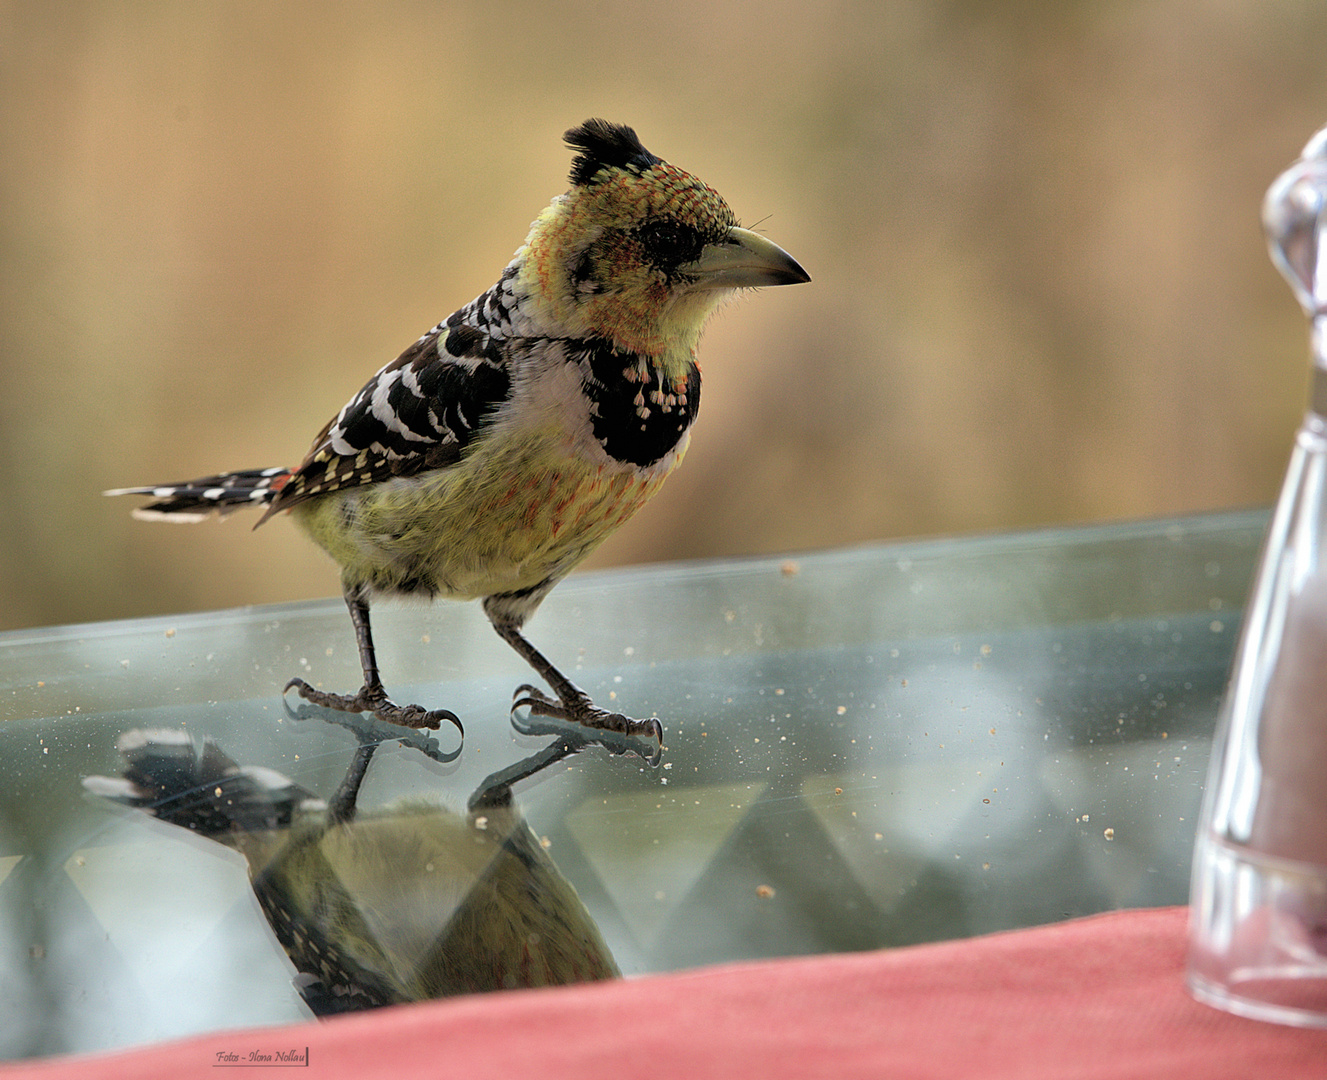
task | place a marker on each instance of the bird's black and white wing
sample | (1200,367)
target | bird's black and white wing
(419,412)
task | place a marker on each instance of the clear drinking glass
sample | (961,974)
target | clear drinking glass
(1258,914)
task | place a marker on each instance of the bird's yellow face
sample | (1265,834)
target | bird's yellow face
(640,252)
(613,258)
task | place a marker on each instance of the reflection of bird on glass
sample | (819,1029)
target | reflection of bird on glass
(508,442)
(412,902)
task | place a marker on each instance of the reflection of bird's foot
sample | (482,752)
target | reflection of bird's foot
(530,703)
(375,700)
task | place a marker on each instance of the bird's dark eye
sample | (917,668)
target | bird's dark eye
(669,243)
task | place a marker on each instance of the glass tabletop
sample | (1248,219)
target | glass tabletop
(864,748)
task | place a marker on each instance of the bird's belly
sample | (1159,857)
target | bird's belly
(494,523)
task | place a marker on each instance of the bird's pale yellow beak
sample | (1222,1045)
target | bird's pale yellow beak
(744,260)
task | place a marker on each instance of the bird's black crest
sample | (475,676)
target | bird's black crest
(605,145)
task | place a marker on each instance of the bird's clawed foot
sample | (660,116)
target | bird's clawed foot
(371,699)
(641,737)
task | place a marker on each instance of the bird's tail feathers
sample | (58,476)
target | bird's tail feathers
(197,786)
(194,500)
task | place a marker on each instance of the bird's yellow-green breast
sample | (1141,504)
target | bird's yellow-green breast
(510,515)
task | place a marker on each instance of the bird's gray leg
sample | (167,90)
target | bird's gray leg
(343,803)
(573,703)
(372,696)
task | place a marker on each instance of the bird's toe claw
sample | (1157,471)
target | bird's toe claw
(416,716)
(375,701)
(530,705)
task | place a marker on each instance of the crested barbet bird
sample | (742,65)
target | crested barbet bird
(502,447)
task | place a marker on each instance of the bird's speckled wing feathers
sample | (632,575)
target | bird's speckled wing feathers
(417,413)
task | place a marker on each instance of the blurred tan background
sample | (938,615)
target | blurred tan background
(1040,288)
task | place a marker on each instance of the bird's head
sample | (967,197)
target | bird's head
(640,252)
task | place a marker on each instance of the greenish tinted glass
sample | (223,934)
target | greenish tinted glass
(865,748)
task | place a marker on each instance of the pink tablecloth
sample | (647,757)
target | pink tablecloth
(1091,999)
